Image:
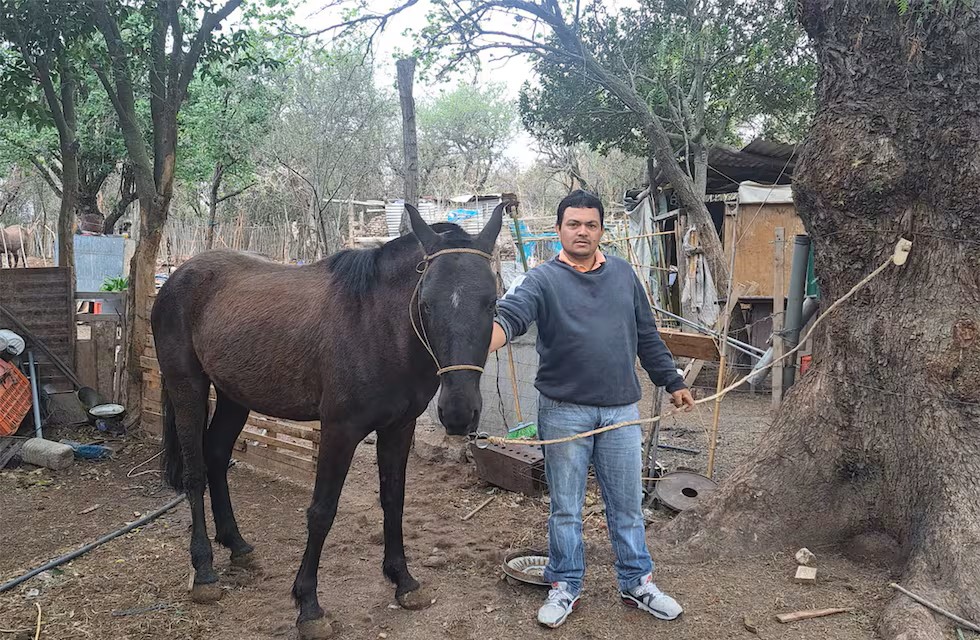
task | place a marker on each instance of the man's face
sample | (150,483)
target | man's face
(580,232)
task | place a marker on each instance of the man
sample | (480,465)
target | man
(593,320)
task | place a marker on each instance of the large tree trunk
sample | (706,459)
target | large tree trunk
(880,439)
(142,285)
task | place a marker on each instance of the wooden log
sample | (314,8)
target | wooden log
(786,618)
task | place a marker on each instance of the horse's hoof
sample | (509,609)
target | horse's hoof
(246,561)
(317,629)
(421,598)
(206,593)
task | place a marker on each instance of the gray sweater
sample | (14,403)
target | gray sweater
(591,327)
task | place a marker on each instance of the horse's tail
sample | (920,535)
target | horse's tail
(173,461)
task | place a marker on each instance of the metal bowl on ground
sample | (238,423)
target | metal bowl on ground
(107,417)
(526,566)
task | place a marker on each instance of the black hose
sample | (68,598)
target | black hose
(74,554)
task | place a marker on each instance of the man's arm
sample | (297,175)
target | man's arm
(498,338)
(654,355)
(516,310)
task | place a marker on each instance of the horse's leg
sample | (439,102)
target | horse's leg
(226,424)
(189,397)
(394,444)
(336,449)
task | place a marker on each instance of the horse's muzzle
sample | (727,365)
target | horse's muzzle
(459,422)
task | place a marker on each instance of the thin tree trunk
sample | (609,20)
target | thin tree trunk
(876,446)
(406,80)
(216,176)
(127,196)
(66,214)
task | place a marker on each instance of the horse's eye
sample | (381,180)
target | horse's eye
(425,307)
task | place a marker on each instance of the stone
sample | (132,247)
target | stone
(805,557)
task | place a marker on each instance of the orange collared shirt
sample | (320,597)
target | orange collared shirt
(599,261)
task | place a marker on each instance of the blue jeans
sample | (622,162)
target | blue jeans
(617,458)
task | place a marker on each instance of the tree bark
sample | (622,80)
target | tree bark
(406,80)
(127,196)
(216,176)
(879,440)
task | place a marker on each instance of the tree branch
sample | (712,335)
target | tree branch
(124,101)
(46,175)
(231,195)
(203,35)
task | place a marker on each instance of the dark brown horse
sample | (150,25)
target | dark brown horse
(333,341)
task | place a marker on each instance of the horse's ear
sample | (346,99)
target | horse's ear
(488,236)
(426,236)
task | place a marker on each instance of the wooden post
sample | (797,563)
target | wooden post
(778,311)
(406,80)
(737,292)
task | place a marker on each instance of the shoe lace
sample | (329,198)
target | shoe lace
(647,589)
(558,594)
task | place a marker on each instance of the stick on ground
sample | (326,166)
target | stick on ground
(966,624)
(807,614)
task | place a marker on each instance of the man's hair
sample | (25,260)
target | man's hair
(581,200)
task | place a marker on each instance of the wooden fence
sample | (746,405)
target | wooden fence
(281,446)
(41,298)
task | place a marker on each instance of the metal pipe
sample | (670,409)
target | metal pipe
(760,370)
(738,345)
(794,305)
(106,538)
(35,401)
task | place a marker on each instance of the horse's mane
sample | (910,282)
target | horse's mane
(358,271)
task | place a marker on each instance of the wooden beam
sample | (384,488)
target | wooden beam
(690,345)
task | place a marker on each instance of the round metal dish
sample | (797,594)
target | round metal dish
(107,411)
(527,566)
(681,490)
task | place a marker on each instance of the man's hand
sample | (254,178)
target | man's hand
(682,398)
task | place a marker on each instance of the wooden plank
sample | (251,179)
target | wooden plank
(778,313)
(796,616)
(755,225)
(99,295)
(254,457)
(277,443)
(690,345)
(289,428)
(104,337)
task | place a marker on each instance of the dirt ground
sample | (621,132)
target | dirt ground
(135,586)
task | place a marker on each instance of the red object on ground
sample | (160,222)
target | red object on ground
(15,398)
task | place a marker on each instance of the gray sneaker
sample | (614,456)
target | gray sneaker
(559,604)
(647,597)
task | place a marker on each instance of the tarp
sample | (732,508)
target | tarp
(643,249)
(755,193)
(699,299)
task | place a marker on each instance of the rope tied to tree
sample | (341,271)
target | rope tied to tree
(898,258)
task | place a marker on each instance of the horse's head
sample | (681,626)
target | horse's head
(454,314)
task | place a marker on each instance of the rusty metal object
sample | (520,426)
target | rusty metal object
(514,468)
(527,566)
(681,490)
